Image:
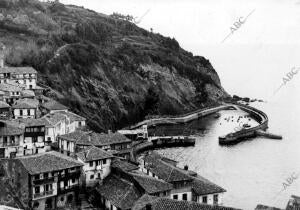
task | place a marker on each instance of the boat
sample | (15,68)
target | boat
(227,139)
(217,115)
(246,126)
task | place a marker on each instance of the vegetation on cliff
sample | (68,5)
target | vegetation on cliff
(106,69)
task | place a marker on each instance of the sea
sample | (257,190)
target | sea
(256,171)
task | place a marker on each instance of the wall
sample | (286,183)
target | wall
(102,169)
(24,114)
(210,198)
(180,193)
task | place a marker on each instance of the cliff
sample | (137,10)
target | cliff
(108,70)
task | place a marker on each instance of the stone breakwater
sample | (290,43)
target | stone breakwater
(182,118)
(258,130)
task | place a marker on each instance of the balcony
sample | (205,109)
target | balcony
(10,144)
(66,176)
(44,181)
(67,189)
(43,194)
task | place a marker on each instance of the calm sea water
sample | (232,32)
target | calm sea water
(253,172)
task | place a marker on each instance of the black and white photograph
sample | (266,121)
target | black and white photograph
(149,105)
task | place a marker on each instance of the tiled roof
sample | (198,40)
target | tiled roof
(96,139)
(202,186)
(9,128)
(26,103)
(47,162)
(10,87)
(124,165)
(73,117)
(93,153)
(54,118)
(54,105)
(165,171)
(119,192)
(18,70)
(3,105)
(27,93)
(263,207)
(30,122)
(163,203)
(150,184)
(170,173)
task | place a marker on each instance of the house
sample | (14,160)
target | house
(52,106)
(34,136)
(56,125)
(61,123)
(115,193)
(11,139)
(147,202)
(70,143)
(125,165)
(97,164)
(121,189)
(28,94)
(136,134)
(20,75)
(44,181)
(5,112)
(74,121)
(25,108)
(12,92)
(188,185)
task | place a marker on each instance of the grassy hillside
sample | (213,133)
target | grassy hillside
(106,69)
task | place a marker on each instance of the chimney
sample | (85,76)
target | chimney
(2,56)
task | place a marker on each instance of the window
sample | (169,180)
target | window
(204,199)
(175,197)
(92,177)
(34,139)
(91,164)
(99,176)
(45,175)
(48,187)
(5,140)
(73,180)
(104,161)
(37,177)
(79,123)
(216,199)
(12,139)
(28,111)
(21,112)
(184,196)
(37,190)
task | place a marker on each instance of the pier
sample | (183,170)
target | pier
(259,130)
(161,142)
(182,118)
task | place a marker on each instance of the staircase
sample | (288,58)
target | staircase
(84,203)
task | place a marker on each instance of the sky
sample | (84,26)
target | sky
(255,57)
